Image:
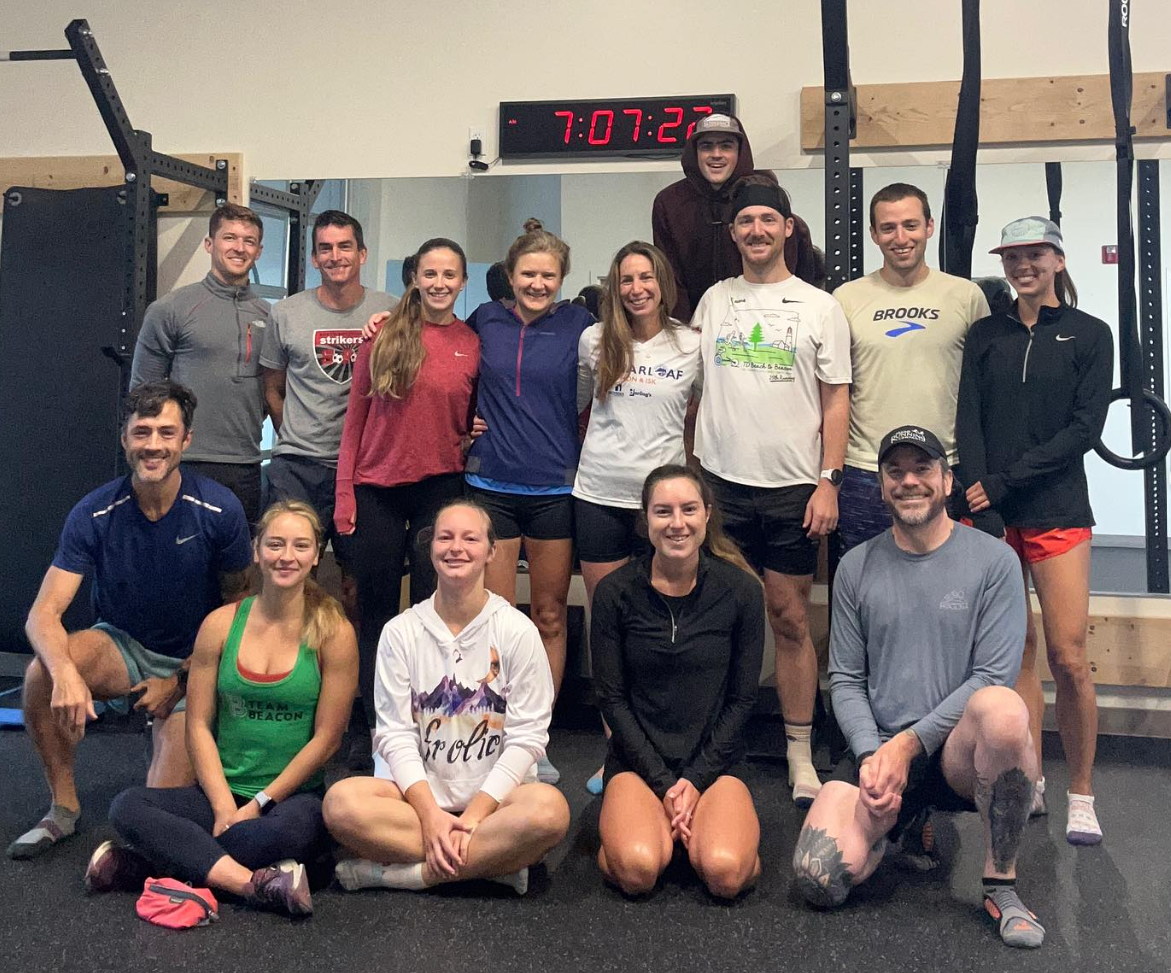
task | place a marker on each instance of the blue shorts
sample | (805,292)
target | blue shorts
(141,663)
(862,514)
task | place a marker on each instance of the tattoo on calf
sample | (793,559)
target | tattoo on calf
(822,876)
(1005,805)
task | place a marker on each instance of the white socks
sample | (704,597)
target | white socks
(803,778)
(361,873)
(1081,827)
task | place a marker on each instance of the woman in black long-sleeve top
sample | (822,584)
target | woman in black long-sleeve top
(1034,390)
(676,639)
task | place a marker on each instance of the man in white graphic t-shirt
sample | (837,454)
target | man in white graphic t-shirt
(773,423)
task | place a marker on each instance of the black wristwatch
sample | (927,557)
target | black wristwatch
(834,477)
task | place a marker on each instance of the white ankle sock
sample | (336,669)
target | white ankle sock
(360,873)
(517,881)
(799,754)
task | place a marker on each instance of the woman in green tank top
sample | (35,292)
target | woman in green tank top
(271,683)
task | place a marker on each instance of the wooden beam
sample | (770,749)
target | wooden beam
(1012,110)
(92,171)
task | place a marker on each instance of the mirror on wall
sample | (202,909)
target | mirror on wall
(596,213)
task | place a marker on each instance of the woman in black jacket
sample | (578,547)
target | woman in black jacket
(1034,390)
(676,639)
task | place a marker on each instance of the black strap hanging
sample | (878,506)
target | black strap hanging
(1149,443)
(960,205)
(1053,188)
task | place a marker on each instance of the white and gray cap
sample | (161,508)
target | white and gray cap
(1031,231)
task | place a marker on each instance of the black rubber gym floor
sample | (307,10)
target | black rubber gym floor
(1106,908)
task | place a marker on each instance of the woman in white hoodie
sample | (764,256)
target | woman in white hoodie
(464,695)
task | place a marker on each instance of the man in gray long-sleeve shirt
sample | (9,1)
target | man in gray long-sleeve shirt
(928,631)
(208,336)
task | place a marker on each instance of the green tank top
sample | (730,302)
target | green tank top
(261,726)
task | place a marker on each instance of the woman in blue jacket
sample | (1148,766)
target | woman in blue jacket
(522,464)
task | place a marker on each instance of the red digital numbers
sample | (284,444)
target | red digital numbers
(604,139)
(678,113)
(699,110)
(568,116)
(637,113)
(595,126)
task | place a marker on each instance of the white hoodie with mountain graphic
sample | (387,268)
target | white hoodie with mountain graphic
(467,712)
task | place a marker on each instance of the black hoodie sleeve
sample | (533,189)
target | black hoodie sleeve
(665,241)
(609,673)
(725,744)
(1095,374)
(973,466)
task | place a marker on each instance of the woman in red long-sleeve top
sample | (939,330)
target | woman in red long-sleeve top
(403,442)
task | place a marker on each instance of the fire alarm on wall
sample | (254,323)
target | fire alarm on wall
(1110,253)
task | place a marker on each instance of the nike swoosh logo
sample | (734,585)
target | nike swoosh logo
(789,300)
(908,327)
(1068,337)
(184,540)
(460,354)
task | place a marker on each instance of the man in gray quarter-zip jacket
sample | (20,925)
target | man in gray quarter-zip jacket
(208,337)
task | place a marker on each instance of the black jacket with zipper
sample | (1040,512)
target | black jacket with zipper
(677,687)
(1032,403)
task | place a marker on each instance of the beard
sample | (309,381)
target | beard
(936,504)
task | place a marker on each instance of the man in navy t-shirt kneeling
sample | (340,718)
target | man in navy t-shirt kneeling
(164,546)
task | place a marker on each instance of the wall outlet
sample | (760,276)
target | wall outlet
(475,132)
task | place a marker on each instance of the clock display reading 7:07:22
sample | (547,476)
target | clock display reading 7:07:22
(598,127)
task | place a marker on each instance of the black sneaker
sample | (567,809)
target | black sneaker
(113,868)
(283,887)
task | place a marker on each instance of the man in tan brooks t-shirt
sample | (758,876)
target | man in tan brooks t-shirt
(908,323)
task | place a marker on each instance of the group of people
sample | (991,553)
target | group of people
(735,414)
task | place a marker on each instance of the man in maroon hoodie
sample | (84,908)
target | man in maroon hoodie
(690,217)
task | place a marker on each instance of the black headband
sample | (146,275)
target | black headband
(755,194)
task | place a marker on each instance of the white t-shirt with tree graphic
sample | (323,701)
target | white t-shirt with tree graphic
(765,348)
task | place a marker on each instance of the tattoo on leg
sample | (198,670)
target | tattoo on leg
(822,876)
(1005,806)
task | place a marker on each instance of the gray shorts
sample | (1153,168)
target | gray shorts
(141,663)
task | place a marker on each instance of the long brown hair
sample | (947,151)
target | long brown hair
(716,543)
(1063,284)
(536,239)
(323,613)
(616,349)
(398,353)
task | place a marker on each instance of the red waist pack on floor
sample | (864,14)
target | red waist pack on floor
(176,905)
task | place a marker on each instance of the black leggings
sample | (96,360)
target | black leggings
(386,530)
(171,827)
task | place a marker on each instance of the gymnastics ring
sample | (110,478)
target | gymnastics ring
(1162,439)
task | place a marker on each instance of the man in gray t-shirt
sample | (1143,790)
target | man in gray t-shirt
(926,642)
(308,360)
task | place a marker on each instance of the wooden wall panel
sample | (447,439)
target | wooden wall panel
(1058,109)
(85,171)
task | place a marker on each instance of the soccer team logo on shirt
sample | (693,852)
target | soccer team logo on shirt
(336,352)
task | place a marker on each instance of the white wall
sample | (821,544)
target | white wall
(379,89)
(390,89)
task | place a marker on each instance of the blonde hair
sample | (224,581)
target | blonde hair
(616,349)
(323,613)
(715,542)
(397,353)
(536,239)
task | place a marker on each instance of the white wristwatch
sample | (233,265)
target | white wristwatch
(262,800)
(834,476)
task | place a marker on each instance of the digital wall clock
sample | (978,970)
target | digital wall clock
(604,127)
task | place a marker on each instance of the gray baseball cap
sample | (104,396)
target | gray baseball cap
(1030,232)
(717,125)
